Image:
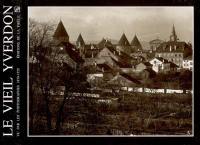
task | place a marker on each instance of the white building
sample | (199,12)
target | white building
(160,64)
(188,63)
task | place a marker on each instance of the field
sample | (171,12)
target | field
(130,114)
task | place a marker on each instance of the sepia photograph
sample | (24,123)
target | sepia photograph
(110,71)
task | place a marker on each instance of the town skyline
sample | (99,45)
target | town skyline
(97,24)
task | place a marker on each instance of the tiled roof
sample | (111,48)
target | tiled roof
(105,67)
(122,64)
(70,50)
(120,55)
(152,73)
(172,65)
(104,43)
(188,58)
(145,63)
(173,45)
(130,78)
(162,59)
(91,52)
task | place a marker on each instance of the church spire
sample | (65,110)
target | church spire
(173,36)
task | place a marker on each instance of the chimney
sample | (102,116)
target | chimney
(175,47)
(170,48)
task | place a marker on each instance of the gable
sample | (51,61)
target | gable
(155,60)
(106,53)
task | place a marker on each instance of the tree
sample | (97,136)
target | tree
(47,72)
(185,80)
(39,36)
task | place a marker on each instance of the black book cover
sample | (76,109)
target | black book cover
(99,72)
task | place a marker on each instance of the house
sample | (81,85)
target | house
(173,67)
(174,50)
(124,80)
(108,71)
(142,66)
(99,73)
(110,55)
(188,63)
(136,45)
(147,74)
(154,44)
(139,55)
(160,64)
(90,53)
(65,51)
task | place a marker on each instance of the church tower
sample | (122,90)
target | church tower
(123,41)
(135,43)
(61,34)
(80,44)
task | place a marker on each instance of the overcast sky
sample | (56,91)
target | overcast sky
(94,23)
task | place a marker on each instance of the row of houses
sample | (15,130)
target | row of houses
(122,63)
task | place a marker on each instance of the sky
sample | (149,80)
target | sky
(95,23)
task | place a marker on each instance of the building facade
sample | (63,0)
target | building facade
(174,50)
(188,63)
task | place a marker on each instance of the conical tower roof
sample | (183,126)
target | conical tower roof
(60,31)
(104,42)
(136,43)
(80,41)
(123,41)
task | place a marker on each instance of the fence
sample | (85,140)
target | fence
(150,90)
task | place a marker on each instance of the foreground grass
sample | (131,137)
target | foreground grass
(133,113)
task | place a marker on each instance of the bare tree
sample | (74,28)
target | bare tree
(41,70)
(48,71)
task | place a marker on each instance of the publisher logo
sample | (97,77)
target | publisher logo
(17,9)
